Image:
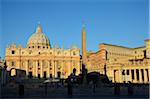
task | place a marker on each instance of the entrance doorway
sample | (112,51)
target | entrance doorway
(58,74)
(45,74)
(50,75)
(39,76)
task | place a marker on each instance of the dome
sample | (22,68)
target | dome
(38,39)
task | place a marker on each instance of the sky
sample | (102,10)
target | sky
(117,22)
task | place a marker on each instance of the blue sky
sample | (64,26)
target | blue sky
(120,22)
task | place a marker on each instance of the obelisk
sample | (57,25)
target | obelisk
(84,58)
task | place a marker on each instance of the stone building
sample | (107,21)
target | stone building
(39,59)
(122,64)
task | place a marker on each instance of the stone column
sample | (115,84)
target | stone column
(113,75)
(33,68)
(41,65)
(62,68)
(54,63)
(55,68)
(140,76)
(48,69)
(120,76)
(145,76)
(27,72)
(130,74)
(52,66)
(68,65)
(36,68)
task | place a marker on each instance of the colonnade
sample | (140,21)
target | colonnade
(45,68)
(134,75)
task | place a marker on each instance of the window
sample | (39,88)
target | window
(38,46)
(12,52)
(43,46)
(144,53)
(39,52)
(32,46)
(38,63)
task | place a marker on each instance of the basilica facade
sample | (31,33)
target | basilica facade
(39,59)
